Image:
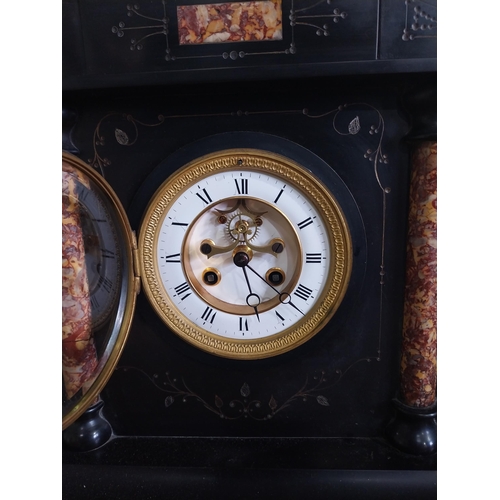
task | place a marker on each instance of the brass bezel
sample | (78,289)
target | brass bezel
(290,172)
(109,364)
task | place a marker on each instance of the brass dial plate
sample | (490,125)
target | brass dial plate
(194,261)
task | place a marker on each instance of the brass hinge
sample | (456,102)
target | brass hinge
(135,258)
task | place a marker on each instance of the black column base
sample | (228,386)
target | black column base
(413,430)
(89,432)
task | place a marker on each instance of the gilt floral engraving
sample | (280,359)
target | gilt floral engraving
(243,404)
(218,23)
(420,20)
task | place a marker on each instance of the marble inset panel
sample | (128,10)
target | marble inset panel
(230,22)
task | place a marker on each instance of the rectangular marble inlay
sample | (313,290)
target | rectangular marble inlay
(230,22)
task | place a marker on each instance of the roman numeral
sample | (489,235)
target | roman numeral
(305,223)
(182,289)
(280,317)
(82,193)
(105,283)
(303,292)
(174,258)
(206,315)
(107,254)
(241,185)
(243,325)
(203,199)
(313,258)
(94,302)
(279,194)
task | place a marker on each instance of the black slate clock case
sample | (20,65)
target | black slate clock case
(311,421)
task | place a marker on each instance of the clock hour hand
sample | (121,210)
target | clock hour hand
(241,260)
(284,297)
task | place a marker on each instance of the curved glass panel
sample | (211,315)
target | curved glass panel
(98,285)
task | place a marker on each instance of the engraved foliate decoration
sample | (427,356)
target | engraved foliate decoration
(121,137)
(223,23)
(245,254)
(354,126)
(420,20)
(244,404)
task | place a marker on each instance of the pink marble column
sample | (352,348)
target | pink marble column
(419,347)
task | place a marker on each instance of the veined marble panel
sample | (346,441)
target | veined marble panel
(419,360)
(230,22)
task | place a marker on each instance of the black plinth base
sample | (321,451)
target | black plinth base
(89,432)
(158,483)
(207,468)
(413,430)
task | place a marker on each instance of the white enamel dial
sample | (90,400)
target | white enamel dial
(241,259)
(273,307)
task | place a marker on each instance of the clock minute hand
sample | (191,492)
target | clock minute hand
(282,295)
(252,299)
